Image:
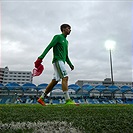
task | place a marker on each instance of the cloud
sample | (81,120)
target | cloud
(28,27)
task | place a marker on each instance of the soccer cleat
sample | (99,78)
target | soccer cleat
(40,100)
(70,101)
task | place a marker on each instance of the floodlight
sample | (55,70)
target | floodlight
(110,44)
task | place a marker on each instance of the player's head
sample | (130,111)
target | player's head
(65,28)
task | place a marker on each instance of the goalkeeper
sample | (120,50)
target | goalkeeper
(60,56)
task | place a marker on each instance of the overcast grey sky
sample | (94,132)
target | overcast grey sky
(27,27)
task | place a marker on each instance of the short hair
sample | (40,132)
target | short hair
(63,26)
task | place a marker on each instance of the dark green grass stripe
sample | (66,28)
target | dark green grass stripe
(90,118)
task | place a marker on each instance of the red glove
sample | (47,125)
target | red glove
(38,62)
(38,71)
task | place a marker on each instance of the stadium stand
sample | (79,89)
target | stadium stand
(7,99)
(87,94)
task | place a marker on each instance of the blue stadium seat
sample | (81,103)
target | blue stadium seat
(55,101)
(5,100)
(76,100)
(0,100)
(28,100)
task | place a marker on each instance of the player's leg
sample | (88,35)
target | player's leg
(65,90)
(65,87)
(48,89)
(50,86)
(65,83)
(62,73)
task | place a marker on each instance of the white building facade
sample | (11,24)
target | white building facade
(106,82)
(20,77)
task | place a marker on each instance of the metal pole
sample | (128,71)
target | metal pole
(112,80)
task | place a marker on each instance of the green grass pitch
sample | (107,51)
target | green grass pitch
(85,118)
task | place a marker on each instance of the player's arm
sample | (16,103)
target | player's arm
(69,63)
(52,44)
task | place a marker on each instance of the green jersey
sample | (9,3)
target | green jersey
(60,49)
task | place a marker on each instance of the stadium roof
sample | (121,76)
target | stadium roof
(113,88)
(13,85)
(28,86)
(74,87)
(42,86)
(1,85)
(125,88)
(100,88)
(57,86)
(87,87)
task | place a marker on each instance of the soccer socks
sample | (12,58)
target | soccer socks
(66,95)
(43,95)
(41,99)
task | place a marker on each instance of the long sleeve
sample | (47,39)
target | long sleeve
(68,61)
(52,44)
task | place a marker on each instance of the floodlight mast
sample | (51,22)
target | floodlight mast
(110,44)
(111,67)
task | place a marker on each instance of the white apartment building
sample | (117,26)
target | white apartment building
(20,77)
(105,82)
